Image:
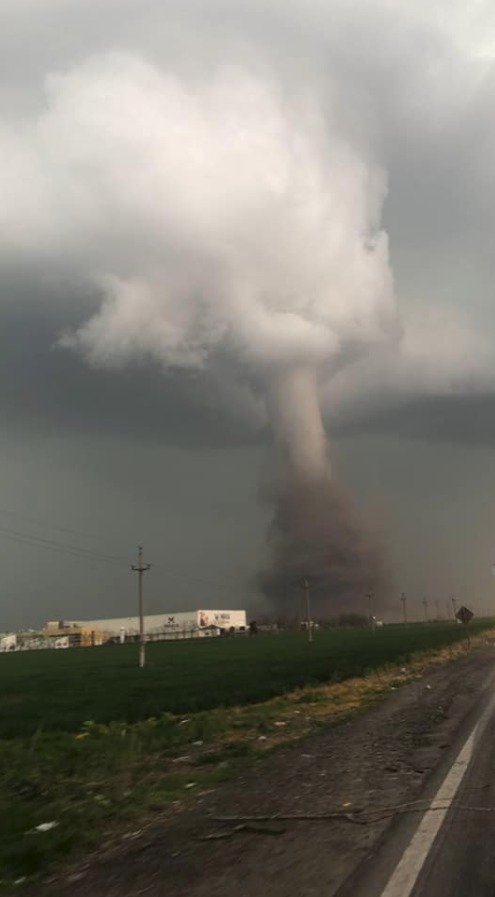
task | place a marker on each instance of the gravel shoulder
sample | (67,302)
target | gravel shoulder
(377,759)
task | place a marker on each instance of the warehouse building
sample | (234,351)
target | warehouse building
(157,627)
(8,641)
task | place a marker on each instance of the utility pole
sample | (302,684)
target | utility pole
(141,568)
(370,610)
(425,605)
(437,605)
(308,609)
(404,608)
(454,607)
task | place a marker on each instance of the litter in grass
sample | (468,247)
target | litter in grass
(45,826)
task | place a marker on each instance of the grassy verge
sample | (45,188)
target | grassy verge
(107,779)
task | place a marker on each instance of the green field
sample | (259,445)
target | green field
(91,742)
(59,690)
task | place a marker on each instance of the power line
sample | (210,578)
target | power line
(120,558)
(83,553)
(47,524)
(199,580)
(90,553)
(63,547)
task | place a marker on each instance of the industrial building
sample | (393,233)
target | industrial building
(157,627)
(8,642)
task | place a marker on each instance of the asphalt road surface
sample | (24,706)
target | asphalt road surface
(445,847)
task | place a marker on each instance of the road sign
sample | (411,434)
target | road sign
(464,615)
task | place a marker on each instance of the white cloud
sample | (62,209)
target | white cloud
(214,214)
(162,154)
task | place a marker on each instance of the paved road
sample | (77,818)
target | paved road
(447,848)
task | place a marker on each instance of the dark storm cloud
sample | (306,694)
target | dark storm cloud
(46,388)
(454,419)
(415,85)
(411,84)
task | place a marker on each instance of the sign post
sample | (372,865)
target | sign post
(464,615)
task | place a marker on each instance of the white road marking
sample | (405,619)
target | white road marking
(405,875)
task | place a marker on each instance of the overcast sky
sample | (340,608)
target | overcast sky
(103,456)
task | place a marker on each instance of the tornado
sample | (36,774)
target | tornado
(232,221)
(297,427)
(315,533)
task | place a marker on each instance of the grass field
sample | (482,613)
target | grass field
(89,741)
(59,690)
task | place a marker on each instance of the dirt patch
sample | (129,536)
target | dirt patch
(377,759)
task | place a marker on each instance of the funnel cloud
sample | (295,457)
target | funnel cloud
(315,533)
(222,217)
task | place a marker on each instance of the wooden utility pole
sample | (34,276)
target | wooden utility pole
(370,597)
(308,610)
(404,608)
(454,608)
(425,605)
(141,568)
